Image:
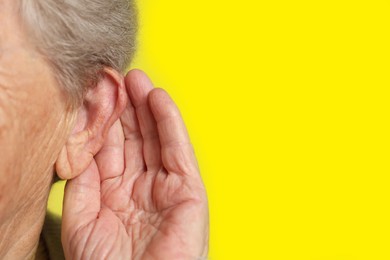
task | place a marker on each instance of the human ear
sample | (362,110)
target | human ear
(102,106)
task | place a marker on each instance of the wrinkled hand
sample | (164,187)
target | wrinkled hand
(142,197)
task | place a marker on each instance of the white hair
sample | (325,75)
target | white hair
(80,37)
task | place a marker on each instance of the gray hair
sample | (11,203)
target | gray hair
(80,37)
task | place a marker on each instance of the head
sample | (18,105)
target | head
(61,89)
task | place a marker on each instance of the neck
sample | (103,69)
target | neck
(19,235)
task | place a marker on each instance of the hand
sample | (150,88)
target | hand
(142,196)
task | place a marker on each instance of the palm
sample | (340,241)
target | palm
(142,196)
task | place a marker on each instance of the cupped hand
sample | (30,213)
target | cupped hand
(142,196)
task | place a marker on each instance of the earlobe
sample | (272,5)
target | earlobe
(102,106)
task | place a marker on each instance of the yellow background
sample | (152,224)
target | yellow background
(287,104)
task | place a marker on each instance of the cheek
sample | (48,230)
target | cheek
(28,145)
(9,184)
(30,113)
(10,163)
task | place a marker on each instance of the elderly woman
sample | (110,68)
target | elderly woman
(134,189)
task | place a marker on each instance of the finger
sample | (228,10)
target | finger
(110,159)
(139,87)
(81,201)
(134,160)
(176,149)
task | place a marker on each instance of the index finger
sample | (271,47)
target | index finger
(110,158)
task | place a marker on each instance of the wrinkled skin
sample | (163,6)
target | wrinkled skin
(142,197)
(33,126)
